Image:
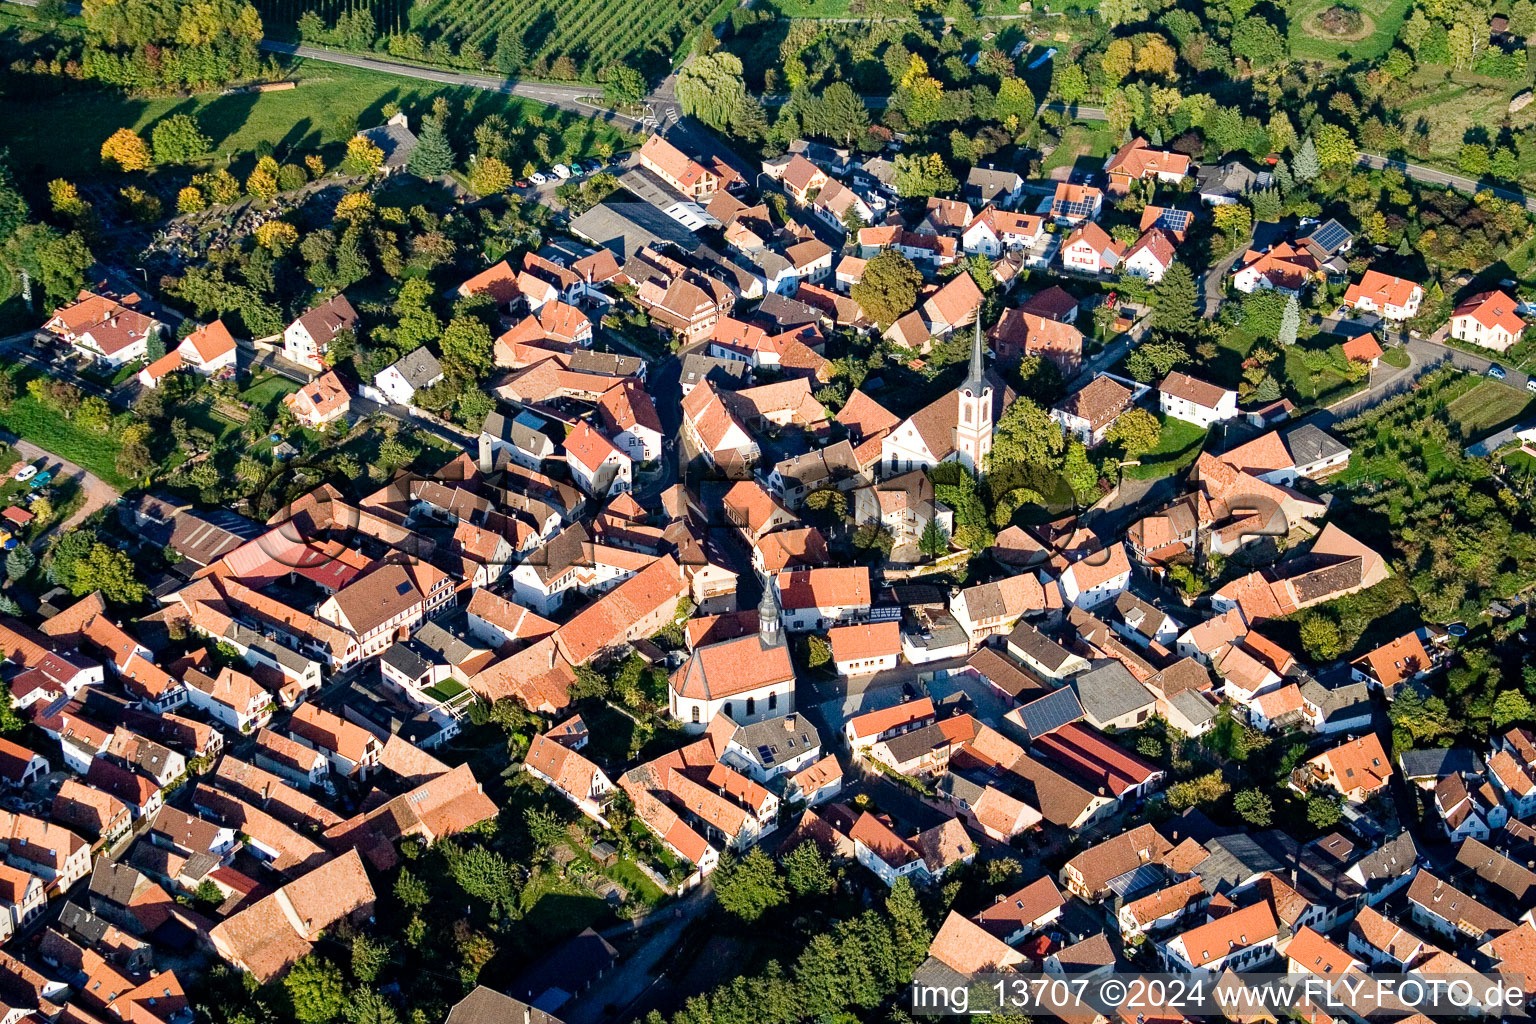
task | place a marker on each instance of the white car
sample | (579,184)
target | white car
(25,473)
(537,178)
(562,171)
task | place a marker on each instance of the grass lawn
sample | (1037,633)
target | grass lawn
(1451,103)
(1520,460)
(30,419)
(1396,357)
(556,908)
(1309,41)
(1080,141)
(330,102)
(1178,446)
(1488,407)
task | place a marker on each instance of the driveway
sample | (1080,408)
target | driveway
(98,493)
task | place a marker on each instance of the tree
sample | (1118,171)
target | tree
(490,177)
(1027,434)
(467,346)
(748,887)
(818,651)
(19,562)
(1258,41)
(1233,220)
(485,875)
(918,175)
(433,156)
(933,541)
(65,199)
(625,86)
(888,287)
(1473,159)
(363,158)
(1205,789)
(178,139)
(262,184)
(277,236)
(807,871)
(1509,707)
(1254,807)
(1324,811)
(110,571)
(842,115)
(511,53)
(710,87)
(1069,82)
(1335,147)
(1290,322)
(55,261)
(10,721)
(125,150)
(1174,301)
(1320,637)
(1136,432)
(1307,165)
(315,990)
(369,1006)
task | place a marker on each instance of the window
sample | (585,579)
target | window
(773,701)
(695,714)
(729,709)
(751,705)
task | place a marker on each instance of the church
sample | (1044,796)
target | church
(749,678)
(955,428)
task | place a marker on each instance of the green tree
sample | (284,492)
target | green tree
(1335,146)
(110,571)
(842,115)
(1205,789)
(1307,165)
(1175,300)
(1069,82)
(625,87)
(1324,811)
(748,887)
(710,87)
(1254,807)
(369,955)
(10,722)
(433,156)
(1320,636)
(467,346)
(315,990)
(807,871)
(817,651)
(490,177)
(19,562)
(1026,434)
(1258,41)
(208,894)
(57,262)
(511,54)
(1136,432)
(486,876)
(411,891)
(933,541)
(920,175)
(910,932)
(369,1006)
(1509,707)
(178,139)
(888,287)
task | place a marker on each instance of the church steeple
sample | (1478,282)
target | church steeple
(768,616)
(978,370)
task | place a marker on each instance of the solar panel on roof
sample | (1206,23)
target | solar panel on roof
(1051,712)
(1073,208)
(1331,235)
(1138,879)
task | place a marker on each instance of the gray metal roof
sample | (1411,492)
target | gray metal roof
(1439,764)
(626,228)
(1108,691)
(1193,706)
(405,661)
(1308,444)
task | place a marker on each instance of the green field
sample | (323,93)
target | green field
(1081,142)
(330,102)
(1178,446)
(30,419)
(1488,407)
(1308,41)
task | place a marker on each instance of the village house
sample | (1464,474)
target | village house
(1195,401)
(307,340)
(1393,298)
(321,401)
(1490,319)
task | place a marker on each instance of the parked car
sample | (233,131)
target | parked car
(25,473)
(41,480)
(537,178)
(1496,371)
(520,183)
(562,171)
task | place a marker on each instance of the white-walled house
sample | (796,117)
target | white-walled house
(1392,298)
(306,340)
(1490,319)
(1195,401)
(1099,577)
(598,468)
(400,380)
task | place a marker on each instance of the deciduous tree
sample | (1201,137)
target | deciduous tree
(888,287)
(125,150)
